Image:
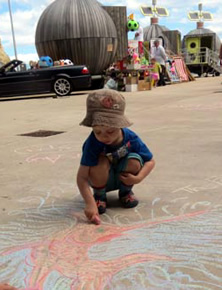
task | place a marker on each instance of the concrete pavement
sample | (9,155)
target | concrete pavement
(172,240)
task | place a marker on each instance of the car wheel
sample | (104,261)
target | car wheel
(62,87)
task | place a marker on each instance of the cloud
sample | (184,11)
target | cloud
(24,23)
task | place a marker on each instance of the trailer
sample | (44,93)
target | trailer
(201,51)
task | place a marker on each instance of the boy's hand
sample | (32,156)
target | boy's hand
(96,220)
(6,287)
(91,212)
(129,179)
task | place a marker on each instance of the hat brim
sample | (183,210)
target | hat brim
(106,119)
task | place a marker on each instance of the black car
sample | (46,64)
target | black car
(61,80)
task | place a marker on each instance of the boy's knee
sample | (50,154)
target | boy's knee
(101,168)
(133,166)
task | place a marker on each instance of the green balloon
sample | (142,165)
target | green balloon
(132,25)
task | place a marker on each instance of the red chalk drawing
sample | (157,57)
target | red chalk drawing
(67,252)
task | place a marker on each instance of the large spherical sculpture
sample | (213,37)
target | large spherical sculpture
(80,30)
(156,31)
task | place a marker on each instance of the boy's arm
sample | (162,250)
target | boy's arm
(91,210)
(145,170)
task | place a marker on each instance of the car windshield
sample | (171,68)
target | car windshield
(11,68)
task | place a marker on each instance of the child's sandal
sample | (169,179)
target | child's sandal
(101,201)
(101,206)
(129,200)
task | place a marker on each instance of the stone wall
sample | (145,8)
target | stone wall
(3,56)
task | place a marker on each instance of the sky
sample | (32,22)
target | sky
(26,13)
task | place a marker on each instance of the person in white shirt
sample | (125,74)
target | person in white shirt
(139,34)
(160,56)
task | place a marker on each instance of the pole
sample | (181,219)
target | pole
(12,27)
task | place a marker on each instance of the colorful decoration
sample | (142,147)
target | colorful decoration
(45,61)
(136,58)
(144,60)
(132,25)
(68,62)
(131,17)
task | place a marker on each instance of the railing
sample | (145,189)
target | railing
(204,56)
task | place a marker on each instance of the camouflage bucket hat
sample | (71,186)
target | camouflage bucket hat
(105,108)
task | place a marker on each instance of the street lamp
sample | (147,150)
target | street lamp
(13,34)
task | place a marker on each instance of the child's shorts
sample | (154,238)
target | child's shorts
(155,76)
(115,170)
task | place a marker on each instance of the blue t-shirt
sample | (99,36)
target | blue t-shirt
(92,148)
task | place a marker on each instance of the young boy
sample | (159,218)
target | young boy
(113,156)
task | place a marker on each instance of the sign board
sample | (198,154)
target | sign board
(110,47)
(133,45)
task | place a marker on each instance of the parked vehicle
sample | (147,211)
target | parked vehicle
(61,80)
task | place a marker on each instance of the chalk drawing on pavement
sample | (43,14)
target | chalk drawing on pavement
(54,247)
(49,153)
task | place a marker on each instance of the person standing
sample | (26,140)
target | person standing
(160,55)
(139,37)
